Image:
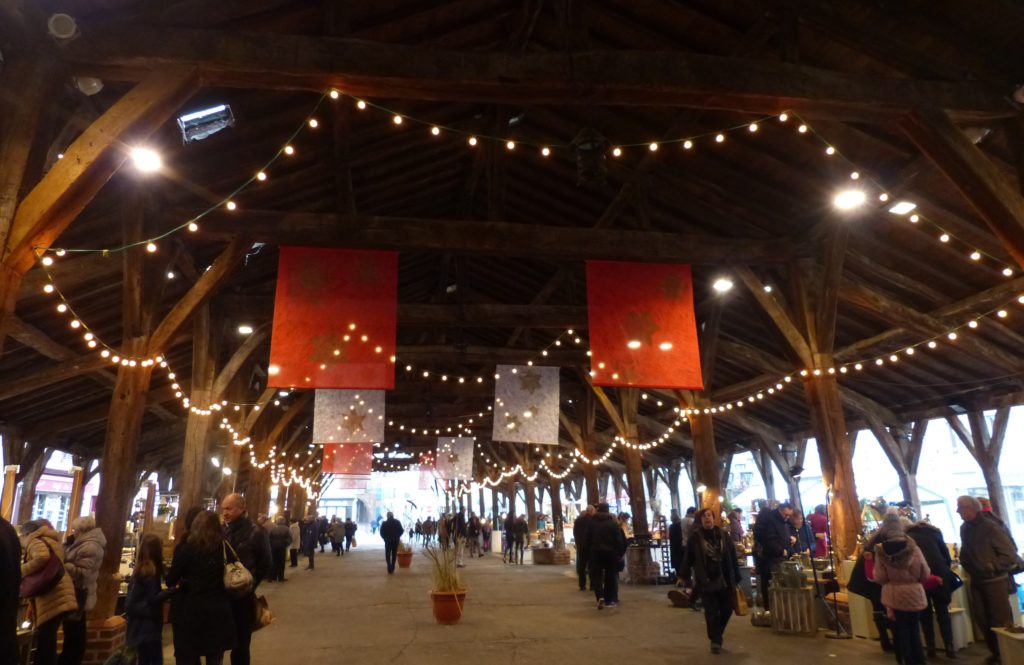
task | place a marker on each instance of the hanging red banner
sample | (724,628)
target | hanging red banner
(334,319)
(349,459)
(643,331)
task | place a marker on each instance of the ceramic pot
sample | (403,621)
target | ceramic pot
(448,606)
(404,559)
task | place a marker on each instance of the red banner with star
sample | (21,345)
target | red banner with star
(643,331)
(334,319)
(349,459)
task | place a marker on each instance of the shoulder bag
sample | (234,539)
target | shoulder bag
(43,580)
(237,579)
(262,616)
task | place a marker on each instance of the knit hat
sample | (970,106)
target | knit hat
(892,526)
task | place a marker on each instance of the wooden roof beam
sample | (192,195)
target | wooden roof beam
(240,59)
(496,238)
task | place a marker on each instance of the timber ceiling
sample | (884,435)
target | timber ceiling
(768,191)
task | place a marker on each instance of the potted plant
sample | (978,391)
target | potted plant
(448,595)
(404,555)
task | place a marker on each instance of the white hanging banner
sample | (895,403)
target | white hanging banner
(526,404)
(348,416)
(454,458)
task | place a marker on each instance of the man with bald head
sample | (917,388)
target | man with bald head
(252,545)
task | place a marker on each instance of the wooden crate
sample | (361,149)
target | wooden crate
(793,610)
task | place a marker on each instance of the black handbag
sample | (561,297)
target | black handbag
(954,581)
(43,580)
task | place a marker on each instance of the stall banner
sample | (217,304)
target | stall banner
(348,459)
(454,458)
(526,404)
(643,331)
(348,416)
(351,482)
(334,319)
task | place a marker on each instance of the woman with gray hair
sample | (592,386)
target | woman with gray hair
(82,563)
(41,542)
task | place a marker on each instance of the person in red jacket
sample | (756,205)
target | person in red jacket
(819,527)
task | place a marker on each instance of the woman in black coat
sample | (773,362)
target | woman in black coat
(931,543)
(711,556)
(204,625)
(862,586)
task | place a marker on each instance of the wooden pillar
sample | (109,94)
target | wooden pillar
(586,414)
(77,487)
(836,454)
(530,496)
(763,461)
(494,505)
(903,448)
(556,512)
(707,464)
(205,343)
(512,498)
(674,473)
(986,447)
(118,469)
(7,498)
(603,480)
(282,490)
(480,502)
(27,499)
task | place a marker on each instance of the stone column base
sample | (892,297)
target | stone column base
(102,638)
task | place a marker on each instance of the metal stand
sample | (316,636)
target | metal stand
(840,633)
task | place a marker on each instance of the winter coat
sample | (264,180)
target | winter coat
(819,524)
(252,546)
(310,537)
(711,556)
(987,551)
(675,545)
(473,527)
(391,530)
(604,536)
(201,611)
(804,538)
(280,537)
(296,533)
(510,528)
(579,528)
(144,609)
(82,562)
(10,580)
(771,539)
(336,532)
(933,546)
(61,598)
(901,570)
(350,529)
(522,531)
(859,582)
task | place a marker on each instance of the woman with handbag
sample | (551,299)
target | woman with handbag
(711,557)
(204,625)
(43,581)
(82,561)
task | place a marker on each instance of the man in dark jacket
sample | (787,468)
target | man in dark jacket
(989,557)
(252,546)
(933,546)
(309,530)
(350,533)
(579,531)
(773,544)
(606,545)
(10,581)
(391,531)
(280,537)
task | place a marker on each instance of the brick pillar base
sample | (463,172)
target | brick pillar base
(640,567)
(102,638)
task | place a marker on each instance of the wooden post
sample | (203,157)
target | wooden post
(986,447)
(480,502)
(904,453)
(603,480)
(586,414)
(530,495)
(77,485)
(674,472)
(27,499)
(10,484)
(150,509)
(205,344)
(494,505)
(556,512)
(279,500)
(764,466)
(512,498)
(707,464)
(118,469)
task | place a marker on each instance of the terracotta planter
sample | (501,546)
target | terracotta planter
(448,606)
(404,559)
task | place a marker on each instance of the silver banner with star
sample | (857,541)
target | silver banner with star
(348,416)
(526,404)
(454,458)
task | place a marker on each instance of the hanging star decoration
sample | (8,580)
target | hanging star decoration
(673,287)
(511,421)
(640,326)
(453,459)
(529,381)
(355,421)
(531,411)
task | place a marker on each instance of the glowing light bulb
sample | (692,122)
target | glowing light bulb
(975,256)
(653,147)
(720,138)
(151,247)
(48,288)
(193,227)
(545,151)
(830,151)
(146,160)
(752,127)
(335,94)
(687,144)
(435,130)
(289,150)
(783,117)
(802,129)
(510,145)
(361,105)
(313,123)
(472,141)
(231,205)
(261,176)
(397,119)
(616,152)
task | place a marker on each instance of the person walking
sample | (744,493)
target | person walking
(144,607)
(309,540)
(202,618)
(711,561)
(252,546)
(736,531)
(675,543)
(522,534)
(40,542)
(989,557)
(336,534)
(82,561)
(473,535)
(10,581)
(606,544)
(280,538)
(391,531)
(900,568)
(485,536)
(930,541)
(350,533)
(579,531)
(773,543)
(321,532)
(295,529)
(819,526)
(508,554)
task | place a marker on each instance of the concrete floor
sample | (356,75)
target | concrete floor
(349,609)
